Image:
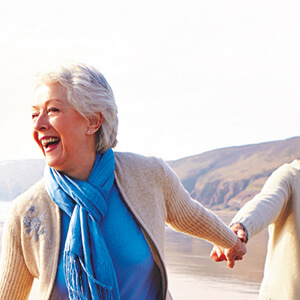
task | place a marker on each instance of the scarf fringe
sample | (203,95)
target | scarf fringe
(75,283)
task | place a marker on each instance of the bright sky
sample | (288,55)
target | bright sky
(188,76)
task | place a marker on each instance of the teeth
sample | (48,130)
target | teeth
(49,140)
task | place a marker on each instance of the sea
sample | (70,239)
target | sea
(191,272)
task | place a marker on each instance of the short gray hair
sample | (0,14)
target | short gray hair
(89,93)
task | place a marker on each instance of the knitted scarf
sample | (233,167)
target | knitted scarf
(88,268)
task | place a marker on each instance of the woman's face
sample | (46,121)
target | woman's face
(61,132)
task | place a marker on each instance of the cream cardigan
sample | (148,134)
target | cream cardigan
(153,193)
(278,204)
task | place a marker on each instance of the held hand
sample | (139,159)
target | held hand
(217,254)
(238,229)
(234,253)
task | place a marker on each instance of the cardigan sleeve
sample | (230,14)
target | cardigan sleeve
(15,279)
(267,206)
(189,216)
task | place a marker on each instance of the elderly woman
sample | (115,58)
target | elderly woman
(93,228)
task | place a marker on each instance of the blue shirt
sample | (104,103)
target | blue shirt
(137,274)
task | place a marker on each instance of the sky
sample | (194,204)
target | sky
(188,76)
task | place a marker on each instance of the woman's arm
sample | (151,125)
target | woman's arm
(266,207)
(189,216)
(262,210)
(15,279)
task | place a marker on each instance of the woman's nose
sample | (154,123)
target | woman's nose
(41,122)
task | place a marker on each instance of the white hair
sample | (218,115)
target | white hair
(89,93)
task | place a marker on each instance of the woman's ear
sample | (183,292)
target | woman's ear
(94,123)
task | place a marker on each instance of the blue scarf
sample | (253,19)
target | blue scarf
(88,268)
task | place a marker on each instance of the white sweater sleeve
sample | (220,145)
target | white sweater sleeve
(190,217)
(266,207)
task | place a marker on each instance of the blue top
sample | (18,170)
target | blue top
(137,274)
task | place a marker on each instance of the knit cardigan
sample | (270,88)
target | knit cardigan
(154,195)
(278,205)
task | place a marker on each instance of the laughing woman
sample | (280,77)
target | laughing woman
(93,227)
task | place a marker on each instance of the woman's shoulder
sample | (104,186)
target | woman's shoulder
(37,189)
(288,169)
(295,164)
(32,225)
(285,175)
(36,196)
(131,165)
(133,159)
(131,155)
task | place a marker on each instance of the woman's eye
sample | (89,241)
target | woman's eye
(52,109)
(34,115)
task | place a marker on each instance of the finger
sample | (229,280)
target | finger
(230,263)
(220,253)
(230,255)
(242,235)
(216,256)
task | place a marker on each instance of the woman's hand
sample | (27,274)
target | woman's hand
(235,253)
(238,229)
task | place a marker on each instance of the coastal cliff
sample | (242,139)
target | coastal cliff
(219,179)
(227,178)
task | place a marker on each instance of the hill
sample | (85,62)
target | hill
(229,177)
(219,179)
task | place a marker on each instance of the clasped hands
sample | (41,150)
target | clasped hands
(235,253)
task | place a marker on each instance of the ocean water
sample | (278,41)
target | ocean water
(193,275)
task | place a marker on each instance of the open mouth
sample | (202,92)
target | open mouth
(50,142)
